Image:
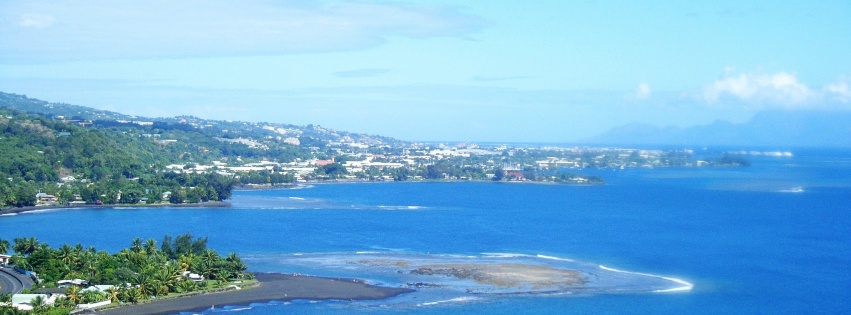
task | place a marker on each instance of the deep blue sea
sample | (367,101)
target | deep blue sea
(773,238)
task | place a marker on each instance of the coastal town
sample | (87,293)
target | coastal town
(83,156)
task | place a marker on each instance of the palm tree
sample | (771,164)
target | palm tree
(13,311)
(73,294)
(25,246)
(89,263)
(211,257)
(42,247)
(136,246)
(63,302)
(239,268)
(132,295)
(186,285)
(20,261)
(67,255)
(4,247)
(210,262)
(146,285)
(151,247)
(113,293)
(209,271)
(223,275)
(166,279)
(235,265)
(92,296)
(232,257)
(185,261)
(38,304)
(68,271)
(5,298)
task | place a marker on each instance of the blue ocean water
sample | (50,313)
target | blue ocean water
(767,239)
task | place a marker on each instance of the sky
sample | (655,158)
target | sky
(497,71)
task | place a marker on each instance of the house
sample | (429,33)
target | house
(515,176)
(4,259)
(46,199)
(193,276)
(24,301)
(321,163)
(98,288)
(68,283)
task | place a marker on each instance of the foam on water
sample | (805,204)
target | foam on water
(554,258)
(462,299)
(397,207)
(686,286)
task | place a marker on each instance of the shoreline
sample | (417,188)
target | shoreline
(270,287)
(361,181)
(208,204)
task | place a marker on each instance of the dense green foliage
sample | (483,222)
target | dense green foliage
(91,165)
(150,271)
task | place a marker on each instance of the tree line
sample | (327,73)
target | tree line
(142,271)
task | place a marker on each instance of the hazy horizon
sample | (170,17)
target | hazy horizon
(543,72)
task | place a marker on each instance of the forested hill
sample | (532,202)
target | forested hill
(74,112)
(74,163)
(77,153)
(203,132)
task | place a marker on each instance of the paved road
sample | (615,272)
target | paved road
(13,282)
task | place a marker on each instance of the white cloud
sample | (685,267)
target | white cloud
(159,28)
(781,88)
(840,90)
(35,21)
(642,92)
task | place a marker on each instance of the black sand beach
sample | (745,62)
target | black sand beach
(208,204)
(272,287)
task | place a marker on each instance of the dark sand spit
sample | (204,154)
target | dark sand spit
(207,204)
(272,287)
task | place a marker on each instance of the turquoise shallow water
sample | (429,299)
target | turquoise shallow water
(771,238)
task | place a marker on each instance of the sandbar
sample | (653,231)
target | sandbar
(507,275)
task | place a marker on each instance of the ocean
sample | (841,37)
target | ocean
(772,238)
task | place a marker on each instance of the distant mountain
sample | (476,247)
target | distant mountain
(314,135)
(769,128)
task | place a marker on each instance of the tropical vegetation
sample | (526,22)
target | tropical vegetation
(143,271)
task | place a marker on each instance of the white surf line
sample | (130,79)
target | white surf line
(554,258)
(455,300)
(504,255)
(687,286)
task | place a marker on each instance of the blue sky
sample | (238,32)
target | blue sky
(504,71)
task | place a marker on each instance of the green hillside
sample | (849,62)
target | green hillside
(92,165)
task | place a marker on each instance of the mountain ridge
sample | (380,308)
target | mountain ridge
(767,128)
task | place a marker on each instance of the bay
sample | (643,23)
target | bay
(771,238)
